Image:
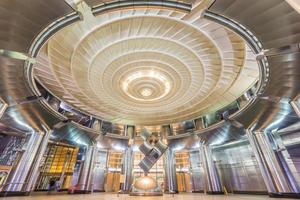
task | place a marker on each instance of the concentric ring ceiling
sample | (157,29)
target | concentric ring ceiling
(146,66)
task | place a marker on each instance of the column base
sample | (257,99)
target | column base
(198,191)
(80,192)
(214,192)
(251,192)
(145,194)
(11,194)
(123,192)
(171,192)
(285,195)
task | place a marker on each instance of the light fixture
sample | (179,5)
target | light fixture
(146,92)
(152,79)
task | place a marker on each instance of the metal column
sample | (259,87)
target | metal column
(37,163)
(130,132)
(85,181)
(127,169)
(270,166)
(213,184)
(170,172)
(288,166)
(296,107)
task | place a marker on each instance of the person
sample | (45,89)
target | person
(57,186)
(52,185)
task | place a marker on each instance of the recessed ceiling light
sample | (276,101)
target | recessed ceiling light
(146,92)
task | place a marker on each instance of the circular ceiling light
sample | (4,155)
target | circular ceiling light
(146,85)
(146,92)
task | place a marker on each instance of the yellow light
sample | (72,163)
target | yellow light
(146,92)
(146,181)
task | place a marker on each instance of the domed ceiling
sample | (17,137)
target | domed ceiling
(146,66)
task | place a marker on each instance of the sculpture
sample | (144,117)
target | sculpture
(153,148)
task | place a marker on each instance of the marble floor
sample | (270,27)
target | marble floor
(110,196)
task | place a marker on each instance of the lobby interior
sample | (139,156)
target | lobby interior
(152,99)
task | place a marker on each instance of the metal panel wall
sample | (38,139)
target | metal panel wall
(291,153)
(294,152)
(21,21)
(197,175)
(238,169)
(261,17)
(100,169)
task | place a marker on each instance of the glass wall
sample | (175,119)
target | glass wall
(58,165)
(10,151)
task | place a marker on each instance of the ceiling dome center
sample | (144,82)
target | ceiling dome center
(145,85)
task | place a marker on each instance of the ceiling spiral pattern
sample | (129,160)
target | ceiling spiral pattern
(142,68)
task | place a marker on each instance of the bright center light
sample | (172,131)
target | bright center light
(146,181)
(146,92)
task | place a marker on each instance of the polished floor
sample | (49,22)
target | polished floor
(109,196)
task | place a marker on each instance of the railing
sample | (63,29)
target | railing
(125,3)
(185,128)
(252,41)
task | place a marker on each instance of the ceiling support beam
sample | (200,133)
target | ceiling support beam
(17,55)
(296,107)
(29,99)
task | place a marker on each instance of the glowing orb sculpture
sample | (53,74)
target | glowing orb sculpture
(145,186)
(145,183)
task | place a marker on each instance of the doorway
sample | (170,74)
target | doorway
(183,174)
(113,181)
(114,168)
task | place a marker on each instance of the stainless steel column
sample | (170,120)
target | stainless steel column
(170,172)
(128,159)
(37,163)
(272,172)
(85,180)
(288,165)
(17,179)
(165,131)
(130,134)
(127,168)
(3,107)
(296,107)
(213,183)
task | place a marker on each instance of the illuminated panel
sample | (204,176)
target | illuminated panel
(60,159)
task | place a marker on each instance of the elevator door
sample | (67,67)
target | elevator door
(113,182)
(184,182)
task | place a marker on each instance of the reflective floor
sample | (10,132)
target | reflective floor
(109,196)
